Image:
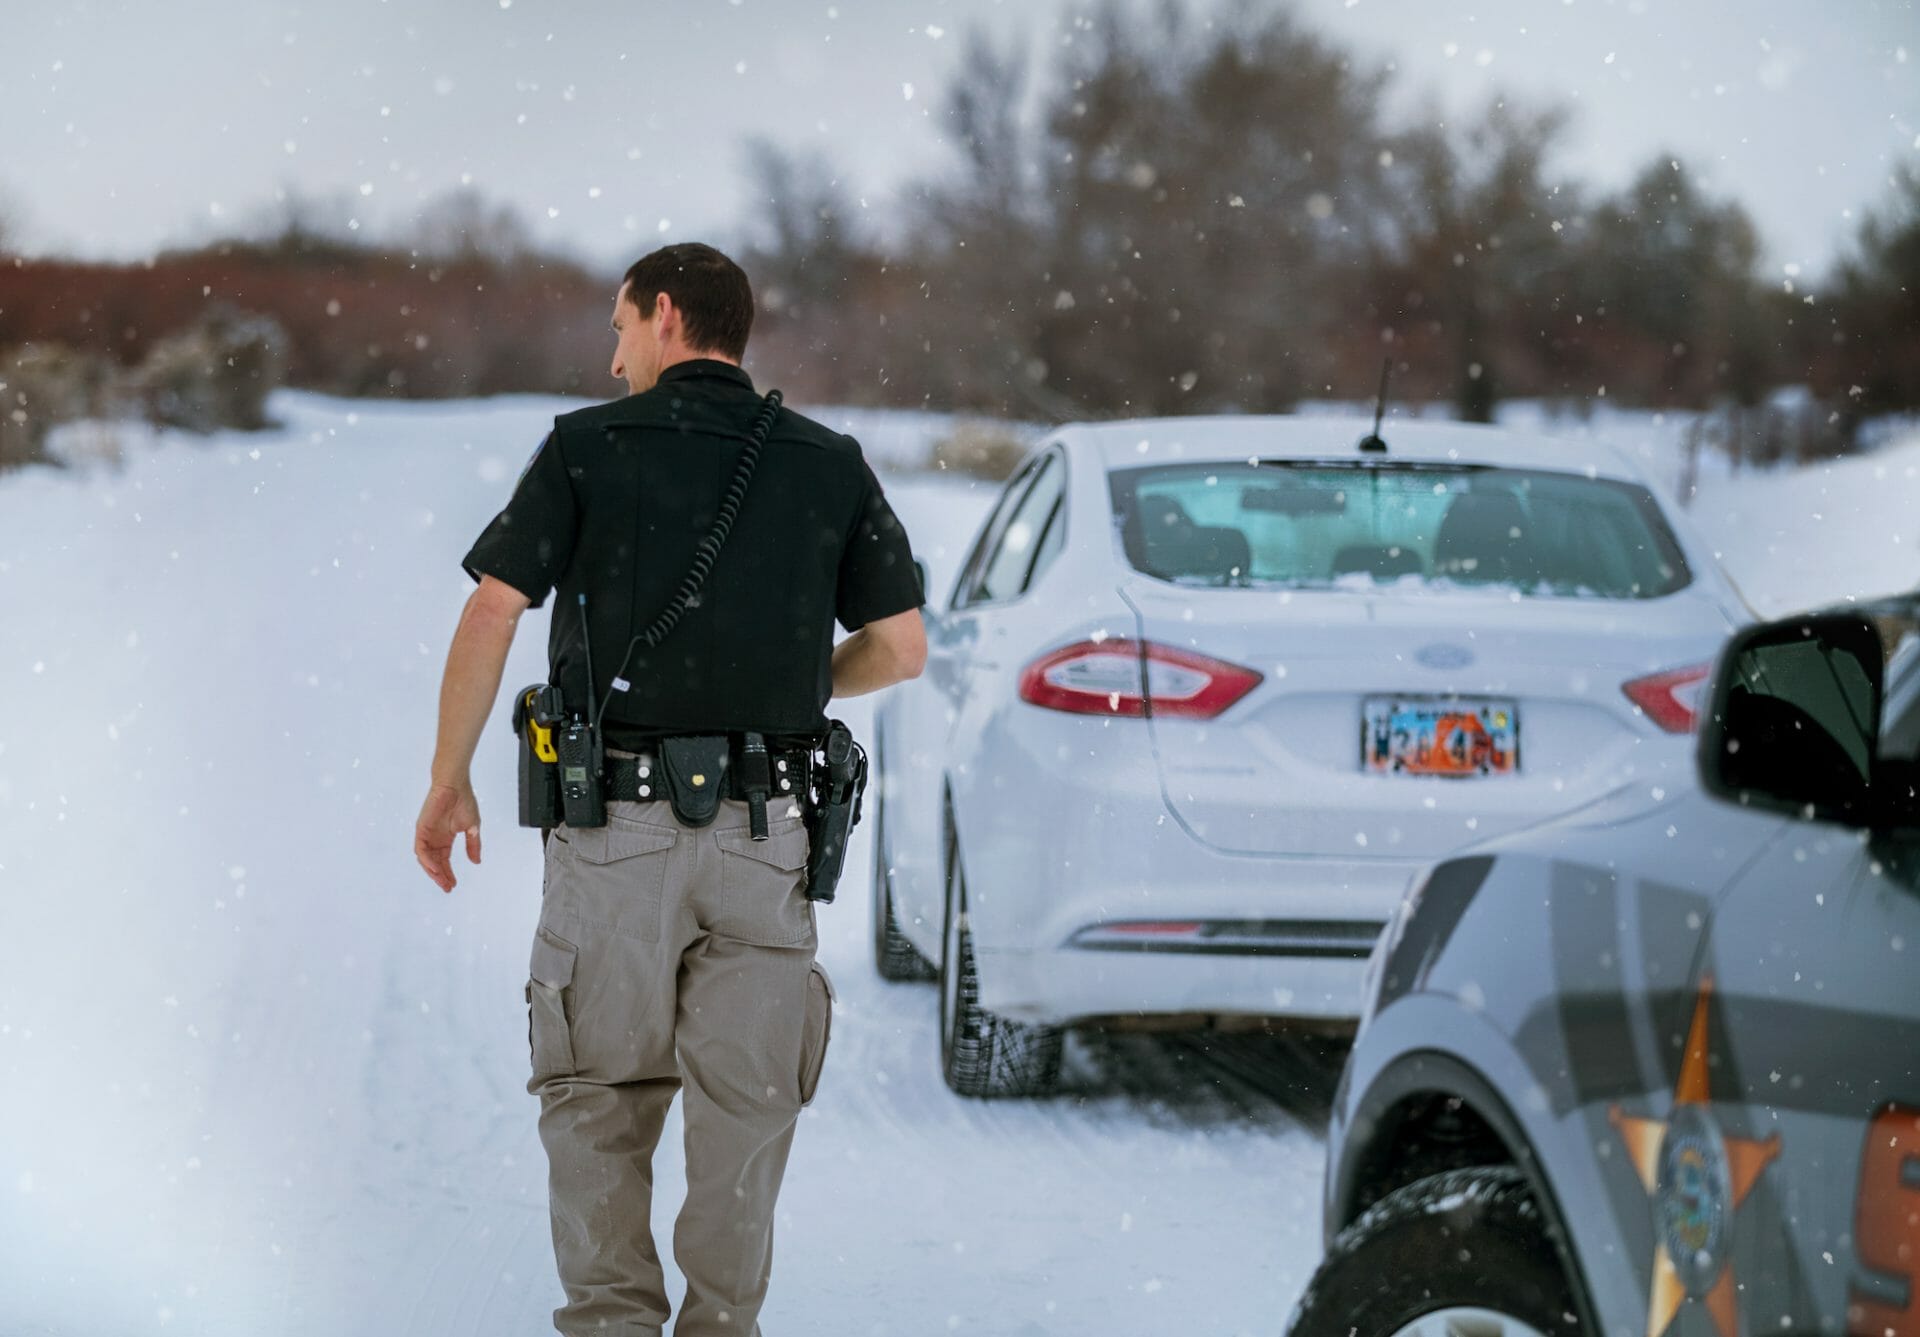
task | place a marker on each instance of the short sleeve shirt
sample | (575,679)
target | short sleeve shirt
(614,504)
(876,567)
(529,543)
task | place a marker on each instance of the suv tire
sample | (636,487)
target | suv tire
(1468,1250)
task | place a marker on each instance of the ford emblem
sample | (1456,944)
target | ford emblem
(1443,656)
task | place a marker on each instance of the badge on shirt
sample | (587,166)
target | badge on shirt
(530,459)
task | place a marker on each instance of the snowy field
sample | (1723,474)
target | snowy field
(257,1076)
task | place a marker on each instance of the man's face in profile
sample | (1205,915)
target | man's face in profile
(636,352)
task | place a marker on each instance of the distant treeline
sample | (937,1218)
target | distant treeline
(198,338)
(358,319)
(1186,215)
(1174,214)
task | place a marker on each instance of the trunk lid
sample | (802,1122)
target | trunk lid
(1281,771)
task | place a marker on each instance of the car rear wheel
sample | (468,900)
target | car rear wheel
(894,955)
(1460,1254)
(982,1054)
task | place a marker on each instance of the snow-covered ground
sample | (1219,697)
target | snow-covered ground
(257,1076)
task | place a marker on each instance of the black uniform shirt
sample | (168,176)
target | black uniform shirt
(613,505)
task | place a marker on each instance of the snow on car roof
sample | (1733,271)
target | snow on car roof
(1138,441)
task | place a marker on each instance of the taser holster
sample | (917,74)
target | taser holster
(535,710)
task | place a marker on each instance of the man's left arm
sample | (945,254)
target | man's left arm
(475,663)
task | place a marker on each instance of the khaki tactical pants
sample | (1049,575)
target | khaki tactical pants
(669,958)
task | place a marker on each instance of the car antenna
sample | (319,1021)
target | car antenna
(1372,440)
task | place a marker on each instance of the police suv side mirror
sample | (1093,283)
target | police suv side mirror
(1792,723)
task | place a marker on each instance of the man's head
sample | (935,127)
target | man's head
(680,302)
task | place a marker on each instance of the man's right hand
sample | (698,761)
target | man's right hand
(449,810)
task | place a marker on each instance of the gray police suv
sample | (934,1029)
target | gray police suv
(1653,1067)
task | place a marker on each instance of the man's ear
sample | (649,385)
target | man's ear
(666,317)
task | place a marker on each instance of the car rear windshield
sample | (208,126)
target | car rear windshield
(1367,525)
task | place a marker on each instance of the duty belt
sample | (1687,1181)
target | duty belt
(639,778)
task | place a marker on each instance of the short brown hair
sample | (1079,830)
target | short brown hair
(710,290)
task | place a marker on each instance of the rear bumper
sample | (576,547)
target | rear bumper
(1158,923)
(1069,852)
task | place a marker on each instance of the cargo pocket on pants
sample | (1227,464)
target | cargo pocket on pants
(549,976)
(763,887)
(818,1029)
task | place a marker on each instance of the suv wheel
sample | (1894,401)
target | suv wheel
(1460,1254)
(982,1054)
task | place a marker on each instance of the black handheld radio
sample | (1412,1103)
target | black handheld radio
(582,800)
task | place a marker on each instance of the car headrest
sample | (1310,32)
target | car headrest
(1213,552)
(1152,520)
(1478,536)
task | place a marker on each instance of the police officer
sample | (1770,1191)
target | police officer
(671,956)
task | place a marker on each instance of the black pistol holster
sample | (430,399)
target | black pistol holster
(835,810)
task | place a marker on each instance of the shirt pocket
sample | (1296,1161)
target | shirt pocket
(763,887)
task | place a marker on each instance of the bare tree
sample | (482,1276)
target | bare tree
(1172,229)
(1873,345)
(1674,269)
(811,260)
(804,235)
(979,244)
(1482,228)
(463,224)
(303,223)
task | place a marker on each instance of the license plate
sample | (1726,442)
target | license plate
(1465,736)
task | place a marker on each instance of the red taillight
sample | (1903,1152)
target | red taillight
(1670,699)
(1103,678)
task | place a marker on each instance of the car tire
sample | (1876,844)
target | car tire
(1464,1251)
(894,955)
(982,1054)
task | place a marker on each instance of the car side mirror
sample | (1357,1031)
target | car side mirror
(1792,722)
(920,574)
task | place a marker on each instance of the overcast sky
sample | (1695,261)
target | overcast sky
(614,124)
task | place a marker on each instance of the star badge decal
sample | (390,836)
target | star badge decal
(1696,1178)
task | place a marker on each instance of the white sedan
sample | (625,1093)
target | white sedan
(1207,691)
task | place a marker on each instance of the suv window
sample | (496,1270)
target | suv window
(1013,560)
